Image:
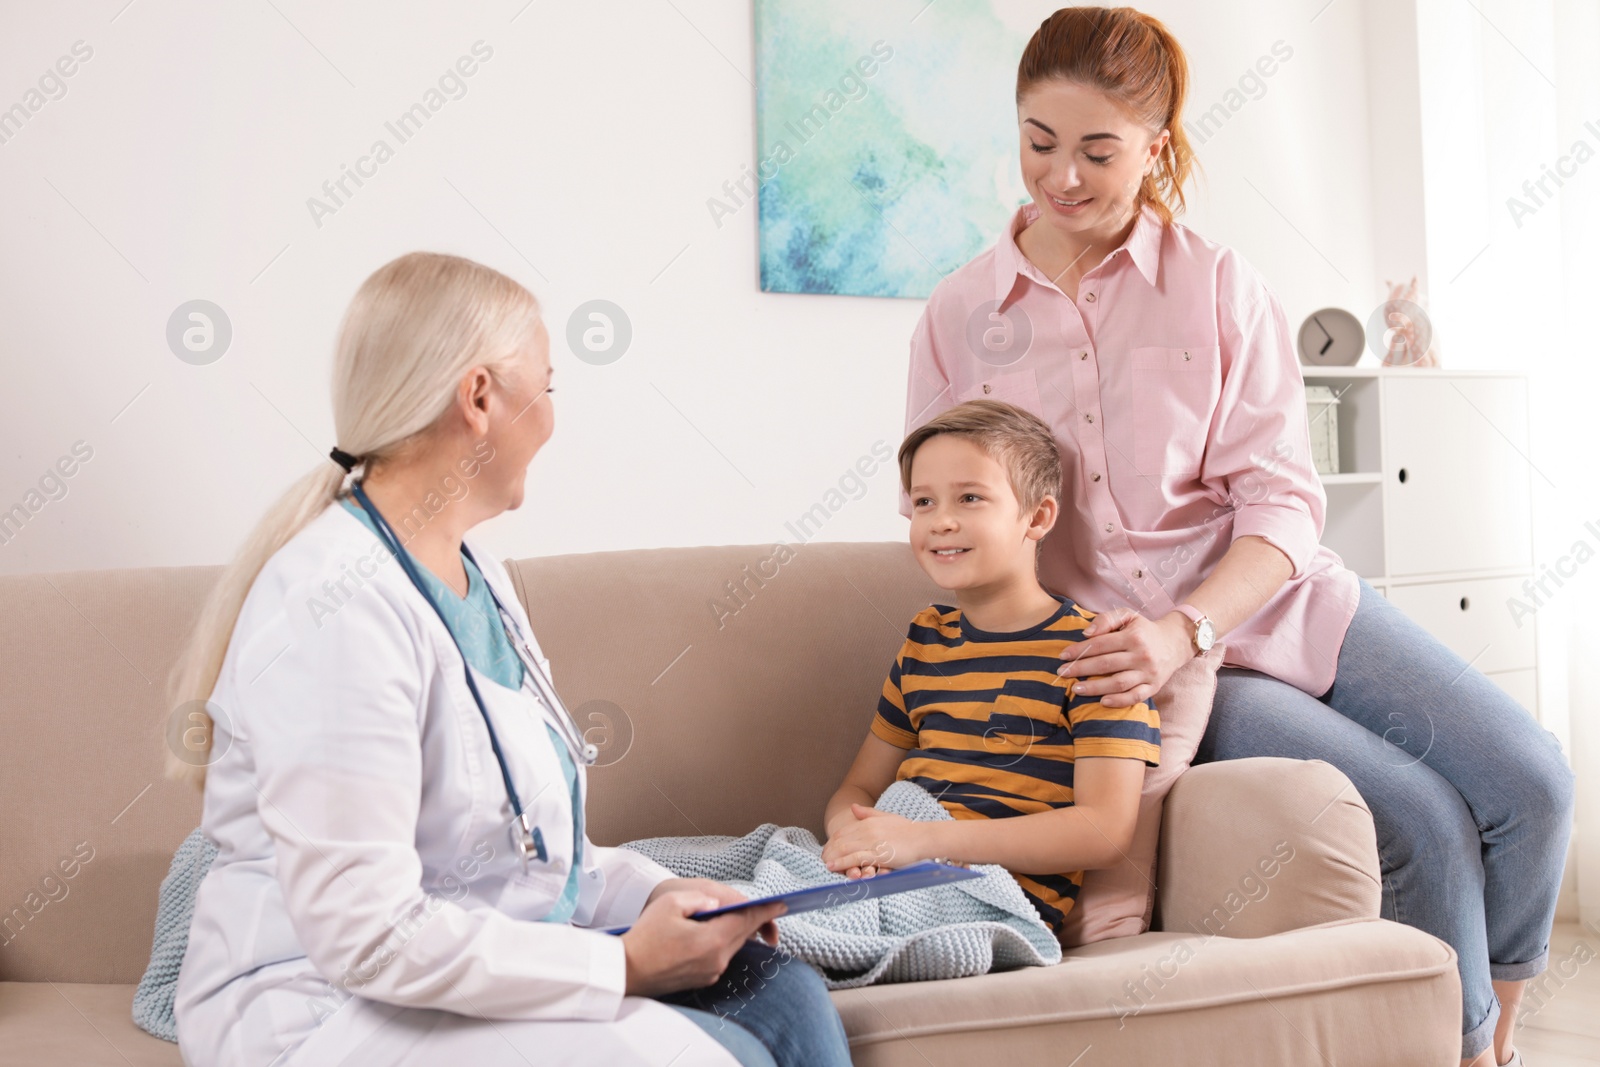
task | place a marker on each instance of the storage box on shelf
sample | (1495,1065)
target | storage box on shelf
(1433,505)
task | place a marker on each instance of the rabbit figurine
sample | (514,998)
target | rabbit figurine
(1410,331)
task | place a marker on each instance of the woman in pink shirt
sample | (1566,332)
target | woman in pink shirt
(1190,508)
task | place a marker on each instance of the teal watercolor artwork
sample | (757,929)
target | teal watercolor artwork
(886,140)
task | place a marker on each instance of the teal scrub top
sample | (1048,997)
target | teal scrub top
(476,626)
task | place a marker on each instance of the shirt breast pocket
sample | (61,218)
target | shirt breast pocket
(1028,723)
(1018,387)
(1175,392)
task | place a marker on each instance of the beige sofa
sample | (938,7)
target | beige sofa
(741,689)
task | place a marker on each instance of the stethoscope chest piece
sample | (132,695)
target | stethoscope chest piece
(527,840)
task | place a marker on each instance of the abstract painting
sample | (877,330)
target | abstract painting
(886,140)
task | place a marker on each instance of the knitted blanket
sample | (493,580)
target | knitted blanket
(950,931)
(152,1001)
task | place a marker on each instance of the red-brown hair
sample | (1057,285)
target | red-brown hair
(1135,60)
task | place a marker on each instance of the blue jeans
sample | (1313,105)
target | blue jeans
(769,1009)
(1471,797)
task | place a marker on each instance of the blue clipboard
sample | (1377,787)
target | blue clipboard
(917,876)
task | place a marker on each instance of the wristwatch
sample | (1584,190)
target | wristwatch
(1205,635)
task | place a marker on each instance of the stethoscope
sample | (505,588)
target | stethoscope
(524,835)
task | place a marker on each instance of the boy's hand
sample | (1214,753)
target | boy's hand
(848,818)
(877,841)
(872,772)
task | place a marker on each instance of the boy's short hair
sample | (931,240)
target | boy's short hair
(1016,439)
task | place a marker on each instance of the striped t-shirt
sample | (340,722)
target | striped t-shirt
(992,731)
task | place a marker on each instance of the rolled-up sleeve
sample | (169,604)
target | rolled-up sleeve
(1258,453)
(336,732)
(626,880)
(927,385)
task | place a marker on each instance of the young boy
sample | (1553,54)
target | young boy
(1042,782)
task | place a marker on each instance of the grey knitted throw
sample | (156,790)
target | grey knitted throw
(950,931)
(152,1001)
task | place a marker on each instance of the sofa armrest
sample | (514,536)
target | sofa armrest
(1259,846)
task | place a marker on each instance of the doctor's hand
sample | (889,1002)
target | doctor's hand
(725,895)
(667,951)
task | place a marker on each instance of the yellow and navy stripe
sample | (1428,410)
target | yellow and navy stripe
(992,731)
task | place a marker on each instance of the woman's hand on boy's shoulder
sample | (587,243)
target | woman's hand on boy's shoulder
(1125,659)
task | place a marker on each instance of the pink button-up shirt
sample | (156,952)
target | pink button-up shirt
(1177,403)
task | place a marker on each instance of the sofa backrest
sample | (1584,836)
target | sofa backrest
(726,687)
(89,822)
(747,683)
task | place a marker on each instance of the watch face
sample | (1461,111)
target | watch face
(1205,635)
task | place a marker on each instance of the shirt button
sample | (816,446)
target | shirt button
(1138,574)
(1089,417)
(1108,527)
(1095,477)
(1090,298)
(986,387)
(1186,355)
(1084,356)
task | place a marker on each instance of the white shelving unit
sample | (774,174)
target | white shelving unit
(1433,505)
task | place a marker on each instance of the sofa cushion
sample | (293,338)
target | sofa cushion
(1157,998)
(1118,901)
(79,1024)
(1293,994)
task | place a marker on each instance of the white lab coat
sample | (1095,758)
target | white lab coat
(367,902)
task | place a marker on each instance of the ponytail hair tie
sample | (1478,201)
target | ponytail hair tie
(343,459)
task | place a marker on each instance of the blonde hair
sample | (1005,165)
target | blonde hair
(1133,58)
(1016,439)
(412,330)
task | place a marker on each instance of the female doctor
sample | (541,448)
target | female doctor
(397,794)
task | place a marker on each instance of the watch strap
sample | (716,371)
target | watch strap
(1192,612)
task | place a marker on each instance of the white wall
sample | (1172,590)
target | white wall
(178,165)
(1510,89)
(1570,378)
